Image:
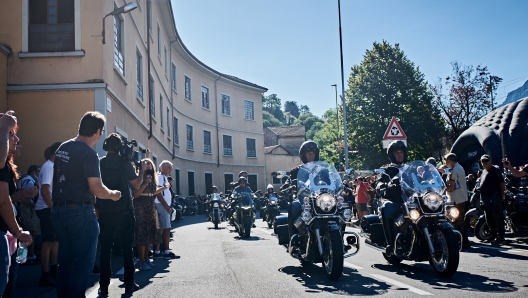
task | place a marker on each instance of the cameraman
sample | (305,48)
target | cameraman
(116,219)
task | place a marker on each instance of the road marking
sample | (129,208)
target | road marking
(264,231)
(95,292)
(400,284)
(505,250)
(353,266)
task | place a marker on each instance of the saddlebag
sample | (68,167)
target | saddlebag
(376,233)
(368,220)
(281,229)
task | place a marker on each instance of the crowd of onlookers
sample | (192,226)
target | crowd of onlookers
(81,210)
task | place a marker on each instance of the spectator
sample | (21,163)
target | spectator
(27,208)
(457,193)
(8,141)
(147,222)
(470,182)
(515,172)
(50,245)
(491,194)
(362,199)
(432,161)
(116,219)
(76,183)
(163,201)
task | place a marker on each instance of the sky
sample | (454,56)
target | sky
(291,47)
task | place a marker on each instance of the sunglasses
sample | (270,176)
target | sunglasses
(485,160)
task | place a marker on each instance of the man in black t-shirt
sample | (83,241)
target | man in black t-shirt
(492,194)
(116,219)
(76,183)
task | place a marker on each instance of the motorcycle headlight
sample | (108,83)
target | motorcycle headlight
(454,213)
(433,201)
(273,202)
(325,201)
(414,214)
(215,205)
(306,216)
(347,214)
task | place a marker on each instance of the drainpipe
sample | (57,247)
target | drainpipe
(148,70)
(171,98)
(217,128)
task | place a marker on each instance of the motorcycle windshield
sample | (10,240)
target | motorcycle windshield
(245,199)
(318,176)
(272,197)
(421,177)
(215,197)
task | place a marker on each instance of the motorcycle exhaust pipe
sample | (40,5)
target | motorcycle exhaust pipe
(429,241)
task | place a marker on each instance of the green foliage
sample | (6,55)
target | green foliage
(292,107)
(272,104)
(307,120)
(388,84)
(268,120)
(304,109)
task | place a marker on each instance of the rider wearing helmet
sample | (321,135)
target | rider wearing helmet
(389,187)
(242,186)
(269,191)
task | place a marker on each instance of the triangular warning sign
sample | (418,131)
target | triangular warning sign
(394,131)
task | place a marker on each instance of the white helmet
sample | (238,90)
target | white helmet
(269,186)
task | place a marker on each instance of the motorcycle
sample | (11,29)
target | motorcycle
(216,206)
(515,209)
(424,231)
(191,206)
(271,209)
(316,235)
(177,209)
(243,215)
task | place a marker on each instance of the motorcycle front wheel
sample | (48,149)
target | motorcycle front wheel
(482,230)
(216,219)
(471,222)
(247,226)
(333,254)
(446,256)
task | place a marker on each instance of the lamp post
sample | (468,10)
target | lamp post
(343,88)
(337,122)
(123,9)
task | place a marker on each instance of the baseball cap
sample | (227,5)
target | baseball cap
(485,156)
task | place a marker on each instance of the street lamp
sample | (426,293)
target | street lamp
(337,122)
(123,9)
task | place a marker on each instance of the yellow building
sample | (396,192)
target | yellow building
(54,67)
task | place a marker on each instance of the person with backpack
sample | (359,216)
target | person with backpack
(27,209)
(116,218)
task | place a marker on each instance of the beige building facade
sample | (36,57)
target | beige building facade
(54,67)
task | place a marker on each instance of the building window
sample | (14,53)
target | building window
(187,88)
(228,178)
(248,110)
(119,44)
(159,42)
(173,76)
(149,16)
(177,181)
(175,130)
(161,111)
(139,75)
(151,99)
(277,180)
(51,26)
(190,181)
(226,104)
(252,181)
(251,148)
(165,59)
(155,160)
(228,147)
(168,122)
(207,142)
(190,144)
(205,97)
(208,183)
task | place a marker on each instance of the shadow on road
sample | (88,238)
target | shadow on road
(314,279)
(461,280)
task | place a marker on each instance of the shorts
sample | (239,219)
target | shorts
(164,217)
(362,206)
(29,218)
(46,225)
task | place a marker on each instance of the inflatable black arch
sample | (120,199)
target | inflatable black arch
(483,137)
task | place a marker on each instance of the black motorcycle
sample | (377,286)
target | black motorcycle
(424,230)
(243,213)
(515,209)
(215,210)
(191,206)
(177,209)
(271,209)
(317,237)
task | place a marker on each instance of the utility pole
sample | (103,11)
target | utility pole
(343,88)
(491,89)
(338,135)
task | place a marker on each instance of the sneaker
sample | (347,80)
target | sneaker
(150,253)
(96,270)
(47,281)
(144,267)
(131,287)
(157,255)
(171,256)
(148,262)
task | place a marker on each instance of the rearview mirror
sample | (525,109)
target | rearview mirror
(279,174)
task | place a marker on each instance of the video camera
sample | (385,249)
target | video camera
(127,151)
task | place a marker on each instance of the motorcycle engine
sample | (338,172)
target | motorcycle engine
(299,225)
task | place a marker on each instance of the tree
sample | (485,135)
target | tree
(292,107)
(386,84)
(272,104)
(268,120)
(307,120)
(304,109)
(468,98)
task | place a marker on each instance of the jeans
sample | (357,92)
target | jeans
(77,231)
(4,261)
(389,212)
(13,272)
(118,226)
(493,211)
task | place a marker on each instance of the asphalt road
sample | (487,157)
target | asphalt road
(217,263)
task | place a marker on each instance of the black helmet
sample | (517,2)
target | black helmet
(308,146)
(397,145)
(242,179)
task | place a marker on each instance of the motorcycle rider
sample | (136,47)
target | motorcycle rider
(269,190)
(397,153)
(243,188)
(308,152)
